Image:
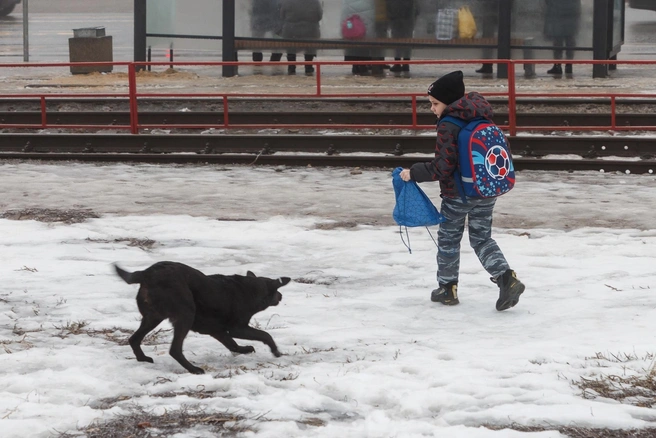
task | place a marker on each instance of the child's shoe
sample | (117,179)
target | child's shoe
(510,288)
(446,294)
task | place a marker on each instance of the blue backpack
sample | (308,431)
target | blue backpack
(485,167)
(413,207)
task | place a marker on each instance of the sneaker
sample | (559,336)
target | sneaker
(446,294)
(556,70)
(510,288)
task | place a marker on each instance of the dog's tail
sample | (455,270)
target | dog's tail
(129,277)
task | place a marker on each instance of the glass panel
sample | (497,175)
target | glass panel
(554,23)
(618,22)
(183,17)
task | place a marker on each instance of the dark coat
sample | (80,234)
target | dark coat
(441,169)
(300,18)
(265,16)
(561,18)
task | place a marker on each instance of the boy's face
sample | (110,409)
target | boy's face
(437,107)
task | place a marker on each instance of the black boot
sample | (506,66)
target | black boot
(257,56)
(291,69)
(309,69)
(396,68)
(446,294)
(556,70)
(568,69)
(485,69)
(510,288)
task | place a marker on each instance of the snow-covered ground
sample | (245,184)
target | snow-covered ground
(366,353)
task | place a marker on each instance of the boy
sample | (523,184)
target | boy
(447,97)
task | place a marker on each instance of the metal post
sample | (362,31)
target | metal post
(139,32)
(600,49)
(229,54)
(503,37)
(26,33)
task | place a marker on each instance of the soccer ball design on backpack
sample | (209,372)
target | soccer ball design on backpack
(485,168)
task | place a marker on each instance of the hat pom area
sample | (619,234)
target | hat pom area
(448,88)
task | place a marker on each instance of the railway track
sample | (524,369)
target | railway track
(289,143)
(205,119)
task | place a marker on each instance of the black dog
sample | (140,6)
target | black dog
(217,305)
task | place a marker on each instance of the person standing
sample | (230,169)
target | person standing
(300,20)
(401,16)
(487,11)
(265,18)
(366,12)
(561,24)
(447,98)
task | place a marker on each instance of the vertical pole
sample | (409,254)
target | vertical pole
(512,99)
(229,38)
(318,79)
(600,49)
(414,111)
(140,32)
(503,37)
(44,119)
(26,33)
(134,110)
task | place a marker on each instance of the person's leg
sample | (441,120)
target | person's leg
(448,251)
(490,255)
(570,42)
(557,69)
(309,69)
(291,69)
(449,236)
(480,237)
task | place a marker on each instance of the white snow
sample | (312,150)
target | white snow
(365,350)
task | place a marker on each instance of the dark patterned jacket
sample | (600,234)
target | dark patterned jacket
(441,169)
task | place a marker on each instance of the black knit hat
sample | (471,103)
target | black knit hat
(448,88)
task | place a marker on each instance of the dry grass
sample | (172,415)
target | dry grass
(144,244)
(140,423)
(581,432)
(638,389)
(67,216)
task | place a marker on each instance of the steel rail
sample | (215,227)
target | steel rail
(321,119)
(529,146)
(377,161)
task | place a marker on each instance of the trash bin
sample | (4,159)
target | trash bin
(90,44)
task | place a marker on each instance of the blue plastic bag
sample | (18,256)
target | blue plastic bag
(413,208)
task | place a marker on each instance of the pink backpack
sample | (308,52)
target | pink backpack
(353,28)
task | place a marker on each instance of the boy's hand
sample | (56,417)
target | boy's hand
(405,175)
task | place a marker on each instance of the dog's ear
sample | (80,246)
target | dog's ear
(283,281)
(250,274)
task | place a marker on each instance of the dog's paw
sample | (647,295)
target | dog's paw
(146,359)
(276,353)
(245,350)
(196,370)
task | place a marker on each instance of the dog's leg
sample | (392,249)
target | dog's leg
(255,335)
(148,324)
(230,343)
(181,328)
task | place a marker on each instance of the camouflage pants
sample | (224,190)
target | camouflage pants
(479,212)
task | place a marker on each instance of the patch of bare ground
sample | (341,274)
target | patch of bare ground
(140,423)
(634,388)
(67,216)
(144,244)
(582,432)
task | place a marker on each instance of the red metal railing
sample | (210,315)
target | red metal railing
(133,95)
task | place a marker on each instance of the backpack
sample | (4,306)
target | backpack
(353,28)
(485,167)
(413,207)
